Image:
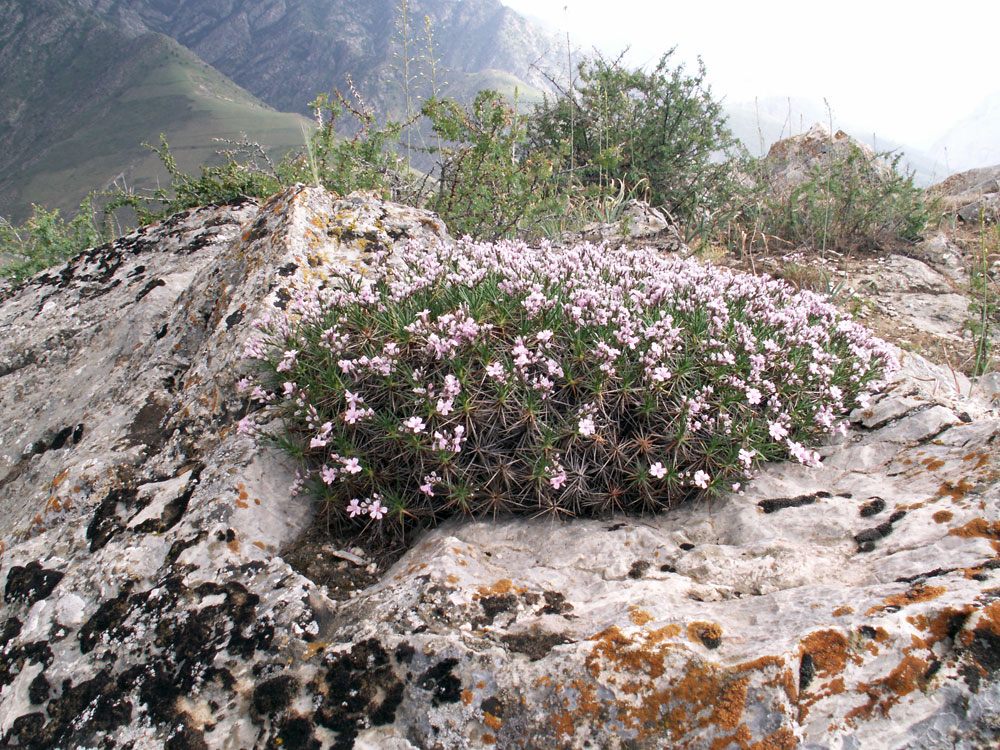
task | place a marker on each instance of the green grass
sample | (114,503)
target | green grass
(163,88)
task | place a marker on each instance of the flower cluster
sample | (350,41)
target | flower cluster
(487,378)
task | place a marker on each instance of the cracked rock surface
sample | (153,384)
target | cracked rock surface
(149,601)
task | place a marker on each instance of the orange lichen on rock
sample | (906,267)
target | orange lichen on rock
(978,527)
(661,634)
(730,704)
(709,634)
(741,738)
(829,651)
(782,739)
(943,516)
(918,593)
(955,490)
(503,586)
(702,698)
(639,617)
(841,611)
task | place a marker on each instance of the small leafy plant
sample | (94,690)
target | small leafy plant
(46,239)
(483,379)
(984,300)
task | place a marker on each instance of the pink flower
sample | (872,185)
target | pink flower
(558,480)
(287,360)
(746,456)
(657,470)
(317,443)
(543,336)
(778,430)
(354,508)
(289,388)
(701,478)
(246,426)
(329,475)
(586,427)
(351,465)
(377,511)
(414,424)
(753,397)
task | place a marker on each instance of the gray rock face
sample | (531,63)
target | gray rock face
(149,598)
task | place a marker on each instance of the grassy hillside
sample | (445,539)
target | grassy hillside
(83,95)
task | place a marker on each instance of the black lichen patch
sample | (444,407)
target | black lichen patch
(233,318)
(866,539)
(985,650)
(109,518)
(360,688)
(107,621)
(9,631)
(780,503)
(186,738)
(495,604)
(150,286)
(174,510)
(294,733)
(534,643)
(29,583)
(147,427)
(75,718)
(187,629)
(39,690)
(555,604)
(872,508)
(686,546)
(638,569)
(14,660)
(274,695)
(807,670)
(441,683)
(921,577)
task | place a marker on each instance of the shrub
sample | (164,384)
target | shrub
(661,129)
(487,187)
(46,239)
(481,379)
(856,201)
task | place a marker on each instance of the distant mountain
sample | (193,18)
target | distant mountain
(288,51)
(79,95)
(974,141)
(759,124)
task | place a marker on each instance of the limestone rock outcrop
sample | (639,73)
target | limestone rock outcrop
(149,599)
(974,196)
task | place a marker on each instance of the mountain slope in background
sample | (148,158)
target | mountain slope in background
(287,52)
(80,95)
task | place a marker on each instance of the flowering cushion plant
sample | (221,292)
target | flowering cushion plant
(480,379)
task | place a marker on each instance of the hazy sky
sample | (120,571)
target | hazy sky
(907,69)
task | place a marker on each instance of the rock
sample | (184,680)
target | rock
(638,222)
(944,255)
(973,195)
(790,161)
(149,598)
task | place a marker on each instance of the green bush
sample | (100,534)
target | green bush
(46,239)
(660,129)
(486,186)
(483,379)
(856,201)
